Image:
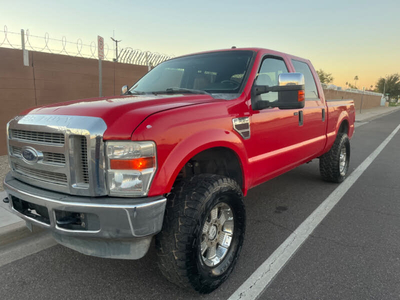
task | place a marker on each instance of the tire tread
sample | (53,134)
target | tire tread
(329,162)
(175,242)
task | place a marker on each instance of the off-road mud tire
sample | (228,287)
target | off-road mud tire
(178,244)
(329,163)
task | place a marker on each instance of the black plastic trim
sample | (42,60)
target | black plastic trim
(301,119)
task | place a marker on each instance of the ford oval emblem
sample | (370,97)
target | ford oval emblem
(29,155)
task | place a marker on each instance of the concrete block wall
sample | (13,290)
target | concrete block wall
(52,78)
(17,89)
(368,101)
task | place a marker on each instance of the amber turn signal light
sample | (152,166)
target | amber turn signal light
(301,96)
(132,164)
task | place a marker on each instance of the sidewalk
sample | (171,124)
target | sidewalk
(6,218)
(373,113)
(13,228)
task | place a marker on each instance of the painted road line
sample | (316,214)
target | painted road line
(358,124)
(255,285)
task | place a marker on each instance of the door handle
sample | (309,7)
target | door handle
(323,115)
(301,119)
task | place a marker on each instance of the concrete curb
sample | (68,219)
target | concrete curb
(13,228)
(14,232)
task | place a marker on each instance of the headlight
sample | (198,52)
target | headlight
(131,167)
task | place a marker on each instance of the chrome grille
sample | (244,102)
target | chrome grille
(48,157)
(68,153)
(34,136)
(85,167)
(52,177)
(55,158)
(16,151)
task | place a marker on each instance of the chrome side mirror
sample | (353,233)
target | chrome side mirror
(124,90)
(290,91)
(285,79)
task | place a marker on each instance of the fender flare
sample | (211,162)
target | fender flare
(344,116)
(193,145)
(331,136)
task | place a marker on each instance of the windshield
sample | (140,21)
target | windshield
(217,72)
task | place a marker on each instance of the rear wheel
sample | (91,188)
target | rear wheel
(334,164)
(203,232)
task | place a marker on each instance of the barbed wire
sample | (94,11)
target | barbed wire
(50,45)
(138,57)
(46,44)
(6,43)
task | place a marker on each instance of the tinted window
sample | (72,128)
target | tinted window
(218,72)
(310,87)
(268,75)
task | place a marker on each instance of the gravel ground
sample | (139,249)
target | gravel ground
(4,168)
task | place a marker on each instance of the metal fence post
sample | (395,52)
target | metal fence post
(100,79)
(25,54)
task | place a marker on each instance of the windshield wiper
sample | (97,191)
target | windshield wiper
(135,93)
(183,90)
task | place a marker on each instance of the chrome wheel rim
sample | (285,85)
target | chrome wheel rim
(217,232)
(343,160)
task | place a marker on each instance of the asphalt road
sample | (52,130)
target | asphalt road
(353,254)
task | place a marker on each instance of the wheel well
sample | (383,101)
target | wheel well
(219,161)
(344,127)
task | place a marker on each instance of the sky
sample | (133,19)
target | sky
(346,38)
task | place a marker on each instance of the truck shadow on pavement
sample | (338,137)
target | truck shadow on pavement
(69,274)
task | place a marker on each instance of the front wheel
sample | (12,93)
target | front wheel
(334,164)
(203,232)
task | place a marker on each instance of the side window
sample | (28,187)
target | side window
(268,74)
(310,87)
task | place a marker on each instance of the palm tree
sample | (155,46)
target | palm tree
(355,80)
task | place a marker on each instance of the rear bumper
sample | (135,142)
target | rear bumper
(106,227)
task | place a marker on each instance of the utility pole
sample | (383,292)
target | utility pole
(116,48)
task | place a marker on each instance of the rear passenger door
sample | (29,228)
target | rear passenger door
(314,121)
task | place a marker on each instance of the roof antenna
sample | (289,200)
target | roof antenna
(233,47)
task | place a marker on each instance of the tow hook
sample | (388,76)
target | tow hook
(6,200)
(72,219)
(68,221)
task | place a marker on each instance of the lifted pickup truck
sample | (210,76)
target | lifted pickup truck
(173,157)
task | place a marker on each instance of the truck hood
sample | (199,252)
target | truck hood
(121,114)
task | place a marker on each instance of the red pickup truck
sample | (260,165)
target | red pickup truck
(173,157)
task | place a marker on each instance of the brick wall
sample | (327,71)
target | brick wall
(368,101)
(52,78)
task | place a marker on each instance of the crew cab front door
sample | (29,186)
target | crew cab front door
(275,133)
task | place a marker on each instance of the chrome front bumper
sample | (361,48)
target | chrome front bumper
(113,227)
